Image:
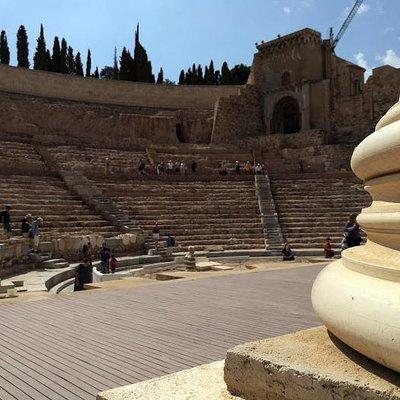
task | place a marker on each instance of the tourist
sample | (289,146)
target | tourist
(183,167)
(170,241)
(247,168)
(5,219)
(329,253)
(113,263)
(258,169)
(194,167)
(107,162)
(222,169)
(87,250)
(82,275)
(170,167)
(301,166)
(142,167)
(287,253)
(237,167)
(352,232)
(34,234)
(158,169)
(105,259)
(26,225)
(156,234)
(177,167)
(162,168)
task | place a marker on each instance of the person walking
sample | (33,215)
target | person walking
(105,259)
(5,219)
(34,234)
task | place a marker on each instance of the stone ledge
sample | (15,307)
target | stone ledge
(306,365)
(201,383)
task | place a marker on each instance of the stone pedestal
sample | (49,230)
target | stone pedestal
(307,365)
(358,297)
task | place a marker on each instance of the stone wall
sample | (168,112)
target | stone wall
(67,87)
(237,117)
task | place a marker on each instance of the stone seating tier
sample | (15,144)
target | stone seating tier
(47,197)
(200,214)
(312,209)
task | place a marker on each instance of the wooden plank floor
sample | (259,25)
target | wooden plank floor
(73,347)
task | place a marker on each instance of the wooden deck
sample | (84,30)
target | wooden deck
(73,347)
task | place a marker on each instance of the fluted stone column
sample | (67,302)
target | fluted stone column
(358,297)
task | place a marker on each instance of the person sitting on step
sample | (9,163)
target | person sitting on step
(329,253)
(287,253)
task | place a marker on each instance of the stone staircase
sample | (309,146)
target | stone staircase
(207,215)
(269,217)
(312,207)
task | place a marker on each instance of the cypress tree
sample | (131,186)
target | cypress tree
(39,59)
(4,50)
(88,63)
(194,75)
(200,78)
(70,61)
(22,48)
(160,77)
(152,78)
(189,77)
(78,65)
(206,75)
(226,76)
(63,57)
(142,71)
(115,74)
(48,60)
(96,73)
(217,78)
(126,64)
(182,77)
(56,56)
(210,79)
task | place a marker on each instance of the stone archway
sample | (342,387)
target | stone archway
(181,133)
(286,117)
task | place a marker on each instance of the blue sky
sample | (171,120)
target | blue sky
(177,33)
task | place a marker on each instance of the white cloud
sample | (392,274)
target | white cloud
(362,62)
(389,29)
(364,8)
(287,10)
(390,58)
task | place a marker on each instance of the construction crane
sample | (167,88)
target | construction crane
(346,24)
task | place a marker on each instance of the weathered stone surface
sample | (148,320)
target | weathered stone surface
(200,383)
(307,365)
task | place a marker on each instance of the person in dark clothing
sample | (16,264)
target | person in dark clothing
(105,259)
(82,275)
(287,253)
(194,167)
(301,166)
(113,263)
(329,253)
(237,167)
(170,241)
(26,225)
(142,167)
(352,232)
(5,219)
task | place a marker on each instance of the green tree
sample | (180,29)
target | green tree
(206,75)
(240,74)
(189,77)
(48,60)
(200,77)
(210,78)
(56,56)
(63,57)
(142,71)
(88,63)
(4,50)
(107,72)
(126,66)
(39,59)
(96,74)
(78,65)
(226,76)
(182,77)
(160,77)
(70,61)
(22,48)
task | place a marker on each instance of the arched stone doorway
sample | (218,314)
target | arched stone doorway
(181,134)
(286,117)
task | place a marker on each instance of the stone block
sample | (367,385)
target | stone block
(201,383)
(307,365)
